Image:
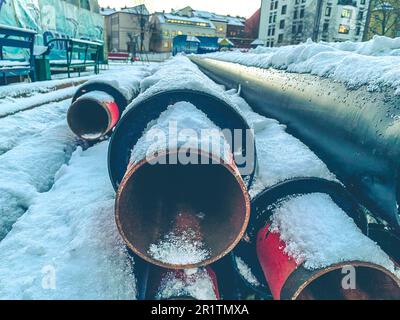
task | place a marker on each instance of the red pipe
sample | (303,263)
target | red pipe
(289,280)
(93,115)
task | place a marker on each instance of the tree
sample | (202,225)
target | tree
(384,18)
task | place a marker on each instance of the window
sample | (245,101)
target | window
(276,5)
(344,29)
(274,19)
(294,29)
(300,28)
(362,2)
(360,15)
(272,6)
(346,13)
(302,13)
(325,27)
(180,33)
(166,44)
(295,14)
(358,31)
(328,11)
(272,43)
(280,38)
(282,24)
(284,9)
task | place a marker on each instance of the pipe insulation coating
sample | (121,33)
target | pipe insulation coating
(355,132)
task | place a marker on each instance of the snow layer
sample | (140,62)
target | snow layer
(310,224)
(179,249)
(14,129)
(29,169)
(36,100)
(178,73)
(375,63)
(182,126)
(69,232)
(246,272)
(196,284)
(127,82)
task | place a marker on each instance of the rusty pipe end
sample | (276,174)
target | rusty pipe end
(93,115)
(182,216)
(348,281)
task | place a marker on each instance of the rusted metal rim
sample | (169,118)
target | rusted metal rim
(302,278)
(109,107)
(231,168)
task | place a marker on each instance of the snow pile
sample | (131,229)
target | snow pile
(126,82)
(185,128)
(196,284)
(14,129)
(310,224)
(280,156)
(246,272)
(29,169)
(66,246)
(181,248)
(329,60)
(178,73)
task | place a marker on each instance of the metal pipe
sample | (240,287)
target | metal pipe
(289,279)
(98,104)
(355,132)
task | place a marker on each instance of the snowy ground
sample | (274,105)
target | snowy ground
(58,238)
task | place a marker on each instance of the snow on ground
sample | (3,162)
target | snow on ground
(246,272)
(15,128)
(29,168)
(69,232)
(309,224)
(375,63)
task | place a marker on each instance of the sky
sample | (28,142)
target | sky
(233,7)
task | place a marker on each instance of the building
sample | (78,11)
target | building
(127,30)
(190,22)
(284,22)
(383,19)
(166,26)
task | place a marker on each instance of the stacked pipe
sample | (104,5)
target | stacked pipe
(303,241)
(183,204)
(98,104)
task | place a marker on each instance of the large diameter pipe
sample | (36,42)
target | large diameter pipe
(289,278)
(98,104)
(355,132)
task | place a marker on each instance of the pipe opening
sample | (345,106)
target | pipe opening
(88,119)
(178,216)
(370,284)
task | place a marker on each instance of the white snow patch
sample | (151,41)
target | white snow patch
(318,234)
(246,272)
(180,248)
(181,126)
(197,285)
(70,230)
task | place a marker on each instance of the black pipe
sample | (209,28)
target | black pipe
(355,132)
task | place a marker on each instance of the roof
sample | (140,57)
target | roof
(140,9)
(192,39)
(164,17)
(225,42)
(221,18)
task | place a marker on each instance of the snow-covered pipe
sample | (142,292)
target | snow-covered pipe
(98,104)
(190,284)
(93,115)
(309,248)
(161,205)
(355,132)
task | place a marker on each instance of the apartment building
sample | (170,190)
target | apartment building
(284,22)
